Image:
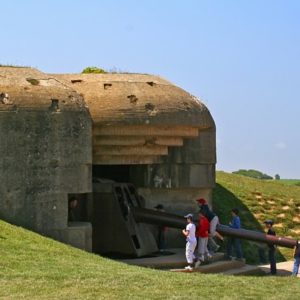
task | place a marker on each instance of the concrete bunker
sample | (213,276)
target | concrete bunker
(155,136)
(42,158)
(95,138)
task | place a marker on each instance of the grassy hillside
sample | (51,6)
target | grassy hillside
(34,267)
(290,181)
(259,200)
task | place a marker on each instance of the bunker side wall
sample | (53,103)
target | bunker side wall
(44,157)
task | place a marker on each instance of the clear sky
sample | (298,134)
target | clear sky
(242,58)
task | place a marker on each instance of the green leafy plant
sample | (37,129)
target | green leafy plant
(33,81)
(93,70)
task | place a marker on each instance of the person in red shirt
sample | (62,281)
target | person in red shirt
(202,234)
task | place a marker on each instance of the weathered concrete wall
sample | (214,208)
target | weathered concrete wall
(45,156)
(77,234)
(191,165)
(45,147)
(187,174)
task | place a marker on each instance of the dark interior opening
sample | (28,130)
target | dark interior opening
(77,208)
(118,173)
(136,242)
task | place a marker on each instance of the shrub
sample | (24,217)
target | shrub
(253,173)
(94,70)
(33,81)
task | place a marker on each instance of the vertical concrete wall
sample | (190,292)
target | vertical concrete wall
(188,173)
(45,156)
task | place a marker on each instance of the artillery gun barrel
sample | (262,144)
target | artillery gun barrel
(149,216)
(256,236)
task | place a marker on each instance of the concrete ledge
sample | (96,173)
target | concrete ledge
(79,235)
(175,260)
(214,267)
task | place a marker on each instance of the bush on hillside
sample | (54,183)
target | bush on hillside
(253,173)
(94,70)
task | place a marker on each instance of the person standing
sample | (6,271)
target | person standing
(161,234)
(272,248)
(73,214)
(202,234)
(296,260)
(233,242)
(191,242)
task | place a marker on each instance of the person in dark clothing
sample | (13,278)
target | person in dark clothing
(272,248)
(73,210)
(161,236)
(234,242)
(213,222)
(296,260)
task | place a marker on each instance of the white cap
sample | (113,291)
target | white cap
(189,216)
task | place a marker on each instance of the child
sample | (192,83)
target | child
(191,241)
(234,242)
(269,226)
(213,222)
(202,234)
(296,260)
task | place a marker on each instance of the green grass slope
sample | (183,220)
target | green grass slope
(291,181)
(259,200)
(34,267)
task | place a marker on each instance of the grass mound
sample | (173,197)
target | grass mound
(257,201)
(35,267)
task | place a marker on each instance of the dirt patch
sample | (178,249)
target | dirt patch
(271,202)
(278,225)
(257,216)
(286,207)
(296,219)
(281,216)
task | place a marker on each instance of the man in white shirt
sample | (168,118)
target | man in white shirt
(191,241)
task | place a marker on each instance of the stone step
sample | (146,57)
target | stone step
(215,267)
(175,260)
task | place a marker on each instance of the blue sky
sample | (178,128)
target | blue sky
(242,58)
